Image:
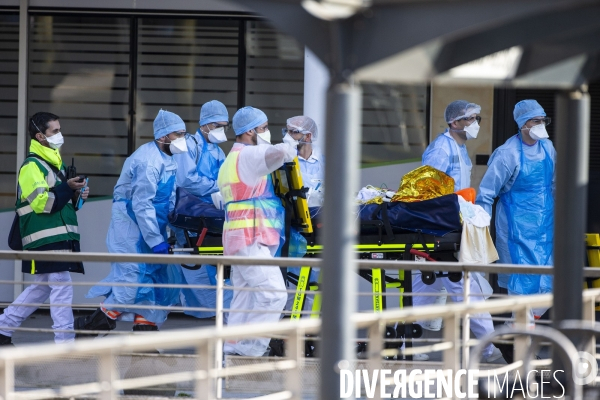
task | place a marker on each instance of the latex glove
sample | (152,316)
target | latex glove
(162,248)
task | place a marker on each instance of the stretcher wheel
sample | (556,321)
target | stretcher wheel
(455,276)
(417,331)
(428,278)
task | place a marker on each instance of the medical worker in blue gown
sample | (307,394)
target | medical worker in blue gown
(521,173)
(448,152)
(197,172)
(142,199)
(301,131)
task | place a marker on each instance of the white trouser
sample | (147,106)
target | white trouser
(260,277)
(481,324)
(62,317)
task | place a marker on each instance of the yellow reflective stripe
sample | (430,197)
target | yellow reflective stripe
(24,210)
(249,223)
(59,230)
(377,282)
(32,267)
(241,206)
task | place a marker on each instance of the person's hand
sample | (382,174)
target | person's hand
(75,184)
(85,193)
(290,152)
(162,248)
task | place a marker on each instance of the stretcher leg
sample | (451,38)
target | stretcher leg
(299,298)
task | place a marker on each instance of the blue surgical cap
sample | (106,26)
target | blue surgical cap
(167,122)
(526,110)
(248,118)
(459,109)
(213,111)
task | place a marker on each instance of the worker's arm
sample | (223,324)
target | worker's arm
(437,158)
(499,172)
(254,162)
(41,198)
(187,169)
(144,185)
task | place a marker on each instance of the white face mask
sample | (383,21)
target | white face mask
(178,146)
(472,130)
(217,135)
(291,141)
(538,132)
(265,136)
(55,141)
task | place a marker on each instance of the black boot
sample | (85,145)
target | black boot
(145,328)
(5,340)
(98,321)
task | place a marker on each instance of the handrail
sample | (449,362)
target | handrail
(276,262)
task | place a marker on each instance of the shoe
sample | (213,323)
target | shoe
(5,340)
(98,321)
(145,328)
(420,357)
(496,355)
(507,352)
(277,348)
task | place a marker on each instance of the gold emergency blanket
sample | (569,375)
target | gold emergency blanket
(424,183)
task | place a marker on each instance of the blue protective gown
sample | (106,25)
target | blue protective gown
(198,168)
(523,177)
(197,172)
(447,156)
(142,199)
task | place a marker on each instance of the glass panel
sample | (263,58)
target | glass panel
(394,123)
(182,64)
(9,71)
(79,70)
(274,75)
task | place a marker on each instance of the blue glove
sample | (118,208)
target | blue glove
(162,248)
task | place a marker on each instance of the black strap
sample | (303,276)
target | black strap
(383,207)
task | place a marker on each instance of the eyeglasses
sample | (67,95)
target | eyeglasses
(217,126)
(263,129)
(536,121)
(179,134)
(471,119)
(285,131)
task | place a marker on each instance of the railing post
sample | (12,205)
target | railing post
(466,326)
(107,374)
(375,347)
(204,387)
(589,314)
(451,356)
(7,379)
(294,353)
(523,319)
(219,326)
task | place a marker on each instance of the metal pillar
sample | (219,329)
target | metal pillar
(342,146)
(573,142)
(22,122)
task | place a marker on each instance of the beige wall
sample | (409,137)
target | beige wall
(441,96)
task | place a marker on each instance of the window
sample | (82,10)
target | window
(9,71)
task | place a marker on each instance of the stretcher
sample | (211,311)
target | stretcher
(385,235)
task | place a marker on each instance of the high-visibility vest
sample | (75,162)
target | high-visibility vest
(252,213)
(45,228)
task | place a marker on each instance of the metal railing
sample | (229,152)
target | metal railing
(208,341)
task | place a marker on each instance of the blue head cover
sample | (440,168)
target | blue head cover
(167,122)
(248,118)
(213,111)
(526,110)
